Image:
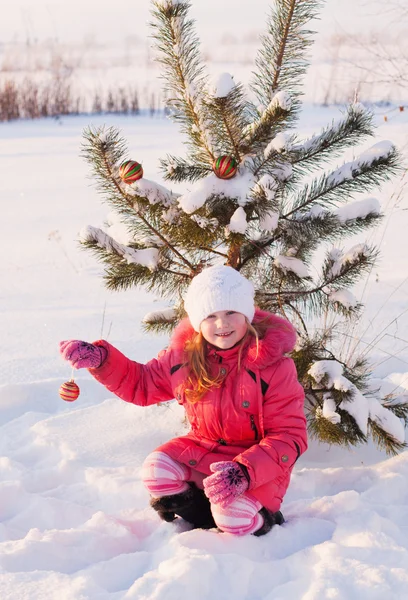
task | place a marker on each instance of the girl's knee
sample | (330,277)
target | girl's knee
(164,476)
(241,517)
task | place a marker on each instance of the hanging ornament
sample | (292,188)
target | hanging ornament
(69,391)
(130,171)
(225,167)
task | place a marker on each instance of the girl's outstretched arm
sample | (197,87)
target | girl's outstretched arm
(285,428)
(132,381)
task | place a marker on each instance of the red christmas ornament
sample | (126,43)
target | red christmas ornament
(130,171)
(69,391)
(225,167)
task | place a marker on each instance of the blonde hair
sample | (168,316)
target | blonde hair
(200,381)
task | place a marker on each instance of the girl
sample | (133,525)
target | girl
(226,365)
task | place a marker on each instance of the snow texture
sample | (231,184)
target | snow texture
(280,143)
(237,188)
(238,222)
(291,264)
(152,191)
(269,221)
(353,255)
(147,257)
(330,374)
(168,314)
(348,170)
(267,186)
(75,522)
(283,100)
(203,222)
(222,86)
(358,210)
(344,297)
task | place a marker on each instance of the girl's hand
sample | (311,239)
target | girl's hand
(229,481)
(82,355)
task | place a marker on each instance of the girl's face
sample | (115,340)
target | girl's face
(224,328)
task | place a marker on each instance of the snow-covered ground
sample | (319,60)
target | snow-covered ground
(74,517)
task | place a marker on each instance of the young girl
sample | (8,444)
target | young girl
(226,365)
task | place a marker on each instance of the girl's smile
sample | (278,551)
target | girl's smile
(224,328)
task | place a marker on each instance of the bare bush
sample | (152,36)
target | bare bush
(32,100)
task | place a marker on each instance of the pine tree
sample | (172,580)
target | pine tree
(267,220)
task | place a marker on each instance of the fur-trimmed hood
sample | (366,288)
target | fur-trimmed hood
(279,339)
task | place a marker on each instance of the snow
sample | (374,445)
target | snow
(203,222)
(344,297)
(268,186)
(283,100)
(148,257)
(238,222)
(290,263)
(152,191)
(360,209)
(351,256)
(238,188)
(361,407)
(269,221)
(165,313)
(279,143)
(222,86)
(347,171)
(74,517)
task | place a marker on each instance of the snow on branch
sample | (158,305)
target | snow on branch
(377,152)
(205,223)
(260,129)
(237,188)
(292,264)
(152,191)
(280,143)
(343,297)
(238,222)
(352,256)
(222,86)
(269,221)
(360,209)
(147,257)
(166,314)
(345,132)
(329,373)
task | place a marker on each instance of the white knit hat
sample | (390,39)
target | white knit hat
(218,288)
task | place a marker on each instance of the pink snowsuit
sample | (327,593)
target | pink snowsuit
(256,417)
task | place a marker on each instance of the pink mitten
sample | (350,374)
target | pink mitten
(82,355)
(229,481)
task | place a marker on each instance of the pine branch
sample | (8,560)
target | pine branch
(312,153)
(178,53)
(339,276)
(357,176)
(228,118)
(384,440)
(103,150)
(263,128)
(281,62)
(177,169)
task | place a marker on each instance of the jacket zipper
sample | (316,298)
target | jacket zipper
(221,441)
(253,426)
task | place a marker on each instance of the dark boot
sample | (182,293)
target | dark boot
(192,506)
(270,519)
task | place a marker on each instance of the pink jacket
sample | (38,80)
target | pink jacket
(256,417)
